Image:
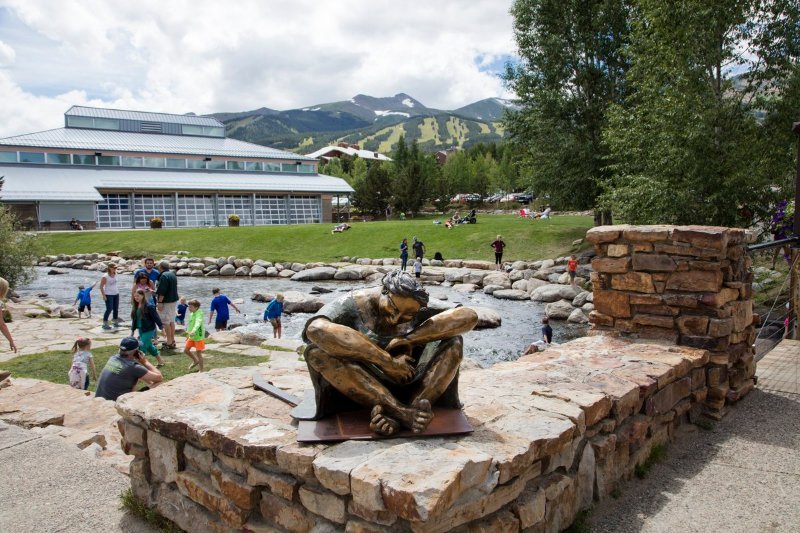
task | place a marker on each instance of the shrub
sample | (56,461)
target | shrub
(156,222)
(233,217)
(18,251)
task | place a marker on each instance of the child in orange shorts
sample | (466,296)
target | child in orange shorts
(196,333)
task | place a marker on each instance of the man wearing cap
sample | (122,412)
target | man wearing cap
(167,294)
(124,370)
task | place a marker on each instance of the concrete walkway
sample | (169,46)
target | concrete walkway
(47,484)
(779,370)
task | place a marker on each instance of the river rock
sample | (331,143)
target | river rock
(580,299)
(36,313)
(489,289)
(520,285)
(465,287)
(487,317)
(456,275)
(226,337)
(534,283)
(519,265)
(199,265)
(243,271)
(349,273)
(183,272)
(196,273)
(453,263)
(511,294)
(68,312)
(588,307)
(272,272)
(55,272)
(286,273)
(577,317)
(212,273)
(227,270)
(262,263)
(208,261)
(553,292)
(297,302)
(559,310)
(262,297)
(480,265)
(436,263)
(258,271)
(297,267)
(497,278)
(315,274)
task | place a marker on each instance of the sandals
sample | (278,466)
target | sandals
(166,346)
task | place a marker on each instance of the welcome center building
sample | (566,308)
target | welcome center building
(111,168)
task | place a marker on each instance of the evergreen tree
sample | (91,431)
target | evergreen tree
(373,194)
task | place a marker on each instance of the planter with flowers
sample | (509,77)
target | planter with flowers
(233,220)
(156,223)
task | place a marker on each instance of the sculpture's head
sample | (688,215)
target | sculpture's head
(401,297)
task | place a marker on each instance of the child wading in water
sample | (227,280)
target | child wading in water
(84,300)
(82,360)
(418,267)
(273,314)
(144,317)
(196,333)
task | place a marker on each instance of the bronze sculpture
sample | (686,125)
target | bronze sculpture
(383,348)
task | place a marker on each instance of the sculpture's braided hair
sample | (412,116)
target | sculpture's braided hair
(403,284)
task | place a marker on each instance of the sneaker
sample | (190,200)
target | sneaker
(106,326)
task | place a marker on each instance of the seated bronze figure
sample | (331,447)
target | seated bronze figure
(383,348)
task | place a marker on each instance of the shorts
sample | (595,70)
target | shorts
(275,321)
(571,274)
(168,312)
(81,307)
(221,324)
(197,345)
(418,274)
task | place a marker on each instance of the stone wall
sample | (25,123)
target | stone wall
(690,285)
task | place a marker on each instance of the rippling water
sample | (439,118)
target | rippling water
(521,320)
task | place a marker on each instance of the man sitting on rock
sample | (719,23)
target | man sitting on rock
(124,370)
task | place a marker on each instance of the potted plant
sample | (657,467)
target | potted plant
(233,220)
(156,223)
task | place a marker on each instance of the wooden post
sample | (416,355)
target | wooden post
(794,332)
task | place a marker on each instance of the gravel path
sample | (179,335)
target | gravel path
(47,484)
(742,475)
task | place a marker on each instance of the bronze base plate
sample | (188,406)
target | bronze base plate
(354,425)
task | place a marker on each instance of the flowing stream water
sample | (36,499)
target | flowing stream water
(521,319)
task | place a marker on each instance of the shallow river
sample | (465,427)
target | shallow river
(521,320)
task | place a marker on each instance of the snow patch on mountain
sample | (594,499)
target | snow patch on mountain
(385,113)
(408,102)
(311,109)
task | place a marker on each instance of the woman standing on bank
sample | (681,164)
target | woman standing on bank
(110,292)
(403,254)
(3,326)
(498,246)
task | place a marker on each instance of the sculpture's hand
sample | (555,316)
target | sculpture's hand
(400,369)
(399,346)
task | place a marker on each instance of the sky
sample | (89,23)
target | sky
(210,56)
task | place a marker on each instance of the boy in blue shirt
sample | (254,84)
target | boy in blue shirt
(181,316)
(219,305)
(273,314)
(84,300)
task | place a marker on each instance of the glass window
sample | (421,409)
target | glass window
(195,163)
(110,160)
(235,165)
(80,122)
(31,157)
(58,159)
(8,157)
(270,210)
(288,167)
(154,162)
(304,209)
(306,169)
(253,165)
(213,131)
(113,212)
(191,130)
(176,163)
(128,161)
(195,211)
(236,204)
(216,165)
(106,123)
(147,206)
(84,159)
(272,167)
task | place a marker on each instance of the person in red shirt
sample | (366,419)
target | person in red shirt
(572,268)
(498,246)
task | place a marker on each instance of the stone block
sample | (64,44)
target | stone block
(710,237)
(384,518)
(360,526)
(617,250)
(332,467)
(323,503)
(599,319)
(298,459)
(742,314)
(560,505)
(646,299)
(653,233)
(720,327)
(164,455)
(197,459)
(653,262)
(288,515)
(663,310)
(698,377)
(643,247)
(720,298)
(529,507)
(610,265)
(139,471)
(680,300)
(234,488)
(601,234)
(633,281)
(695,281)
(734,395)
(658,321)
(612,303)
(501,522)
(279,484)
(132,433)
(584,479)
(692,325)
(665,399)
(196,488)
(188,515)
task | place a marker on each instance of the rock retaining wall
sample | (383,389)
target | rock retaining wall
(690,285)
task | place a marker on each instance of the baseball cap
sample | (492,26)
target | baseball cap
(129,343)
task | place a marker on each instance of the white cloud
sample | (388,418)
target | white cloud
(206,56)
(7,54)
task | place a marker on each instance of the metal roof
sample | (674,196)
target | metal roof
(33,183)
(121,141)
(363,154)
(97,112)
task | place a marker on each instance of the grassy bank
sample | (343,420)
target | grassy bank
(53,366)
(526,239)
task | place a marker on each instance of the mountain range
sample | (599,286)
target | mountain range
(373,123)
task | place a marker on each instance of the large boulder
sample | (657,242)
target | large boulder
(349,273)
(497,278)
(519,265)
(225,337)
(227,270)
(297,267)
(456,275)
(553,292)
(577,317)
(511,294)
(465,287)
(489,289)
(258,271)
(480,265)
(68,312)
(487,317)
(559,310)
(286,273)
(315,274)
(534,284)
(243,271)
(262,297)
(581,299)
(272,272)
(297,302)
(520,285)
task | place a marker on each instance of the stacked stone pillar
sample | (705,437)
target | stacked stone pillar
(690,285)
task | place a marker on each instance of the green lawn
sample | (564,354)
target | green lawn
(526,239)
(53,366)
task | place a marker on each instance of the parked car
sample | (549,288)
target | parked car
(493,198)
(525,198)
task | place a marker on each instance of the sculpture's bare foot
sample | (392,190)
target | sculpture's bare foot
(423,414)
(382,424)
